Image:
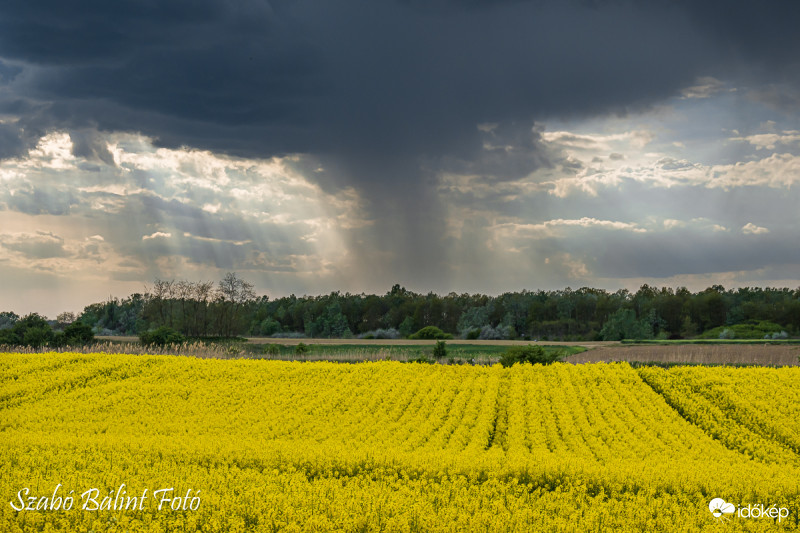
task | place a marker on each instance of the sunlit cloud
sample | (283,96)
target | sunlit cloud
(157,235)
(770,141)
(706,87)
(752,229)
(192,213)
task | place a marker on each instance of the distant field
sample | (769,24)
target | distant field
(775,342)
(286,446)
(740,353)
(346,350)
(486,352)
(387,342)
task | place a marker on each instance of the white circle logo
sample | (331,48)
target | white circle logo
(720,507)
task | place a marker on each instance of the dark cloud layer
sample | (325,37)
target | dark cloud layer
(360,78)
(385,94)
(376,77)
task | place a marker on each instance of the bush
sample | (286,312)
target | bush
(750,329)
(37,337)
(301,349)
(530,355)
(267,327)
(270,349)
(381,333)
(421,358)
(488,333)
(473,334)
(430,333)
(32,330)
(440,350)
(161,337)
(78,333)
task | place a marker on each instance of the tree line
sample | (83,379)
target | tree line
(230,307)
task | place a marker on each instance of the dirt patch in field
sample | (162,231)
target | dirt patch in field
(698,354)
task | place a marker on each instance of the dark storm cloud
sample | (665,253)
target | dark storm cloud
(346,77)
(8,72)
(385,94)
(378,77)
(360,78)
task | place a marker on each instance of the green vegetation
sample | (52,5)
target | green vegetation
(750,329)
(430,333)
(301,349)
(530,355)
(453,354)
(161,337)
(624,325)
(35,331)
(440,350)
(675,342)
(231,308)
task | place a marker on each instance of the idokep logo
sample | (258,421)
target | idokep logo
(722,509)
(719,508)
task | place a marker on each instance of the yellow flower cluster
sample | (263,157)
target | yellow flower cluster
(387,446)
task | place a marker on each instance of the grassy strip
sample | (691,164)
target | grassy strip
(658,342)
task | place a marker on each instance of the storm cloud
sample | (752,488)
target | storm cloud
(363,77)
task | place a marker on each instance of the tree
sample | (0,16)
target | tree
(473,318)
(8,319)
(406,327)
(78,333)
(623,325)
(232,292)
(65,319)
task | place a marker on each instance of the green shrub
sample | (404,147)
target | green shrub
(751,329)
(530,355)
(301,349)
(32,330)
(37,337)
(440,350)
(430,333)
(78,333)
(270,349)
(421,358)
(161,337)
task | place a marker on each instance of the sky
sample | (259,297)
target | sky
(445,145)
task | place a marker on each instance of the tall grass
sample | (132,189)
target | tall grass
(239,351)
(713,354)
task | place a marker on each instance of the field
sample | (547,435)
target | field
(254,445)
(712,354)
(339,350)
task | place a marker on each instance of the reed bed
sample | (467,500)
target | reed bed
(224,351)
(716,354)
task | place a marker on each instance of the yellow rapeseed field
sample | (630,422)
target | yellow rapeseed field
(112,442)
